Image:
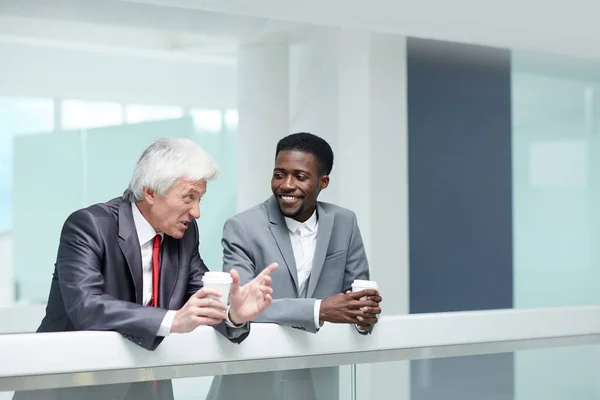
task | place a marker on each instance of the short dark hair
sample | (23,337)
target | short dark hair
(309,143)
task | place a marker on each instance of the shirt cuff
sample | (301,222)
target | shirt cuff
(231,324)
(318,324)
(167,322)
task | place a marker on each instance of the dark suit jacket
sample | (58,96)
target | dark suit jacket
(97,280)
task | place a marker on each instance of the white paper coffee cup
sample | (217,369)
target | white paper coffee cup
(359,285)
(220,281)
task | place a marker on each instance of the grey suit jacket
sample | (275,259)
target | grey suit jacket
(259,236)
(97,282)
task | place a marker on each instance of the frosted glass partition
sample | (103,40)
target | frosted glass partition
(556,208)
(48,186)
(57,173)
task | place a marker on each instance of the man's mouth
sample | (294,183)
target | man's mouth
(289,199)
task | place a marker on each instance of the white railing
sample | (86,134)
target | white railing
(89,358)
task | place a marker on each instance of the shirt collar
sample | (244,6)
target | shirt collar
(310,224)
(144,230)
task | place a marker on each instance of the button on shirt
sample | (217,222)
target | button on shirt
(146,233)
(303,236)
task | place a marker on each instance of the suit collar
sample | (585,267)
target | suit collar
(310,224)
(323,238)
(145,231)
(281,235)
(130,247)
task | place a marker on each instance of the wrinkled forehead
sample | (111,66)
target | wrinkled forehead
(188,185)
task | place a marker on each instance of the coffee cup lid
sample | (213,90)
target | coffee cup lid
(365,284)
(216,276)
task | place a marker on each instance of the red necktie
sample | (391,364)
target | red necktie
(155,269)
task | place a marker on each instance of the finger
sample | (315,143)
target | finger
(267,280)
(208,312)
(376,299)
(235,284)
(205,292)
(364,293)
(268,270)
(266,303)
(210,302)
(372,310)
(266,290)
(367,303)
(363,327)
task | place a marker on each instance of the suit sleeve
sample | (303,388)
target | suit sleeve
(79,268)
(197,270)
(297,313)
(357,266)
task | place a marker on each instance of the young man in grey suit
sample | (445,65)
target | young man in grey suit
(132,265)
(321,248)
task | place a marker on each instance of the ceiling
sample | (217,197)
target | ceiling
(566,27)
(214,27)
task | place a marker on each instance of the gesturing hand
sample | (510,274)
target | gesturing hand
(349,309)
(199,310)
(247,301)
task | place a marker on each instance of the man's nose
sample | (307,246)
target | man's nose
(195,211)
(288,183)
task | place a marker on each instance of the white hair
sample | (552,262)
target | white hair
(165,162)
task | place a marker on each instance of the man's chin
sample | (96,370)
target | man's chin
(290,213)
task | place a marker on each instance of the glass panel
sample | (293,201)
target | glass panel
(231,119)
(71,169)
(140,113)
(303,384)
(569,373)
(79,114)
(209,121)
(555,149)
(18,117)
(489,377)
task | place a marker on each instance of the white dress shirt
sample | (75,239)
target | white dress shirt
(303,236)
(146,234)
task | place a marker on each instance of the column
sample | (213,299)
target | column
(349,87)
(263,106)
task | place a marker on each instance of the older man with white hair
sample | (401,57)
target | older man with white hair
(132,265)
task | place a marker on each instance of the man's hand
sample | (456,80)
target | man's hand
(347,308)
(247,301)
(199,310)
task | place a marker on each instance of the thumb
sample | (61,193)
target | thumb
(235,284)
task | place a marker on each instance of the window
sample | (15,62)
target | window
(135,113)
(231,119)
(18,116)
(81,114)
(208,121)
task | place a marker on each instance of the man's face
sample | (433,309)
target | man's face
(172,212)
(296,183)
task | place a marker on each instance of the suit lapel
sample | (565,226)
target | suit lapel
(280,233)
(323,235)
(130,247)
(169,269)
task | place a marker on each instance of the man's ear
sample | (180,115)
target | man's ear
(324,182)
(149,195)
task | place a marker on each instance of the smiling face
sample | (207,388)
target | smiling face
(296,183)
(172,212)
